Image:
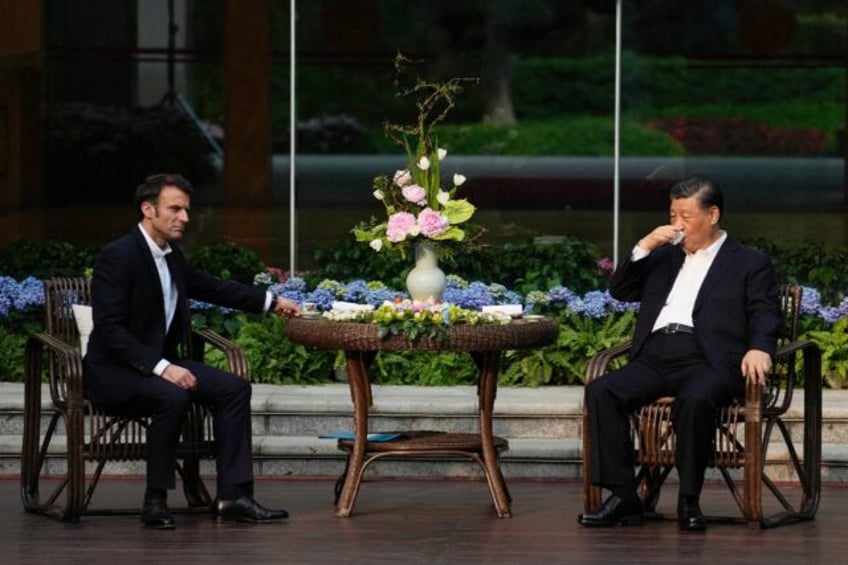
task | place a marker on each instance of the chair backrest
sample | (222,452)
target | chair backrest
(60,294)
(790,302)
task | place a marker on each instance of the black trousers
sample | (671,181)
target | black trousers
(668,365)
(228,398)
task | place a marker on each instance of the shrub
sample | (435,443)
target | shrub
(275,360)
(11,355)
(43,259)
(522,266)
(228,261)
(811,264)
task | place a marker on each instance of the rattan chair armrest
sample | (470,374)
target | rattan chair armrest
(805,347)
(235,356)
(599,363)
(69,388)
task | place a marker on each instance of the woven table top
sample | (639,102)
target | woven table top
(356,336)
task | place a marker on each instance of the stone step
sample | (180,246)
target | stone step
(310,456)
(542,425)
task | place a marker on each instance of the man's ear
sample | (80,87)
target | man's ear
(715,215)
(148,210)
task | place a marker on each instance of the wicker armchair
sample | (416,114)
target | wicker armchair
(745,434)
(92,435)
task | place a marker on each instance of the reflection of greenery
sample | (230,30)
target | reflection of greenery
(565,105)
(103,152)
(590,136)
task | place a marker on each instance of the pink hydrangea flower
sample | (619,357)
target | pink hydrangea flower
(400,225)
(432,223)
(415,193)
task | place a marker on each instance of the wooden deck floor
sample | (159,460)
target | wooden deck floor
(412,522)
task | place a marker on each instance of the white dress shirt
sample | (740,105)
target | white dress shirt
(169,289)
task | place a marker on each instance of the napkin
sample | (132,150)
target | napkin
(508,309)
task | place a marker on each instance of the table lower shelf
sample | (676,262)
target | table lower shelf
(428,442)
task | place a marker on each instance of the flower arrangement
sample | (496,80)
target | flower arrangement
(415,320)
(417,207)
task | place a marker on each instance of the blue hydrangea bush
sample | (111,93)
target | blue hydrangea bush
(589,322)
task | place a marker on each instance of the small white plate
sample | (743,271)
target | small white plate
(309,315)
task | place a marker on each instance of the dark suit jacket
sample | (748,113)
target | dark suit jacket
(737,307)
(129,338)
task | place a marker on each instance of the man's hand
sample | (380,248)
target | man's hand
(285,307)
(180,376)
(662,235)
(756,366)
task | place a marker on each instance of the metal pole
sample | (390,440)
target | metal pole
(172,33)
(616,180)
(292,136)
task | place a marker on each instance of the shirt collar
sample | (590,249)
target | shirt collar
(714,247)
(158,252)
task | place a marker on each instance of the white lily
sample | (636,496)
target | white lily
(424,163)
(442,153)
(376,244)
(378,194)
(443,197)
(458,179)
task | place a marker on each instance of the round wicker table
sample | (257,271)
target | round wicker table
(361,342)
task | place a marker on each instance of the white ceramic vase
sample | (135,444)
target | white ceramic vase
(426,281)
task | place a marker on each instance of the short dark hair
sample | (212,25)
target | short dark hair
(149,190)
(707,192)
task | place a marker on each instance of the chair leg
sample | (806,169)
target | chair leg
(651,480)
(195,491)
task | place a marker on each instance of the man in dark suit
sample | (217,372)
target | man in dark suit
(709,318)
(140,295)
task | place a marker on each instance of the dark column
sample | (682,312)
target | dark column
(20,79)
(247,146)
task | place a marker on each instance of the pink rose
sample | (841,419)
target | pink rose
(415,194)
(400,225)
(432,223)
(402,178)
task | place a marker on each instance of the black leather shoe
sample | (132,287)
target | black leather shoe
(615,511)
(246,509)
(155,514)
(689,515)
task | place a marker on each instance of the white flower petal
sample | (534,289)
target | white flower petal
(443,197)
(376,244)
(424,163)
(458,179)
(378,194)
(442,153)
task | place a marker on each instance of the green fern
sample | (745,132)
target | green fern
(833,343)
(565,362)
